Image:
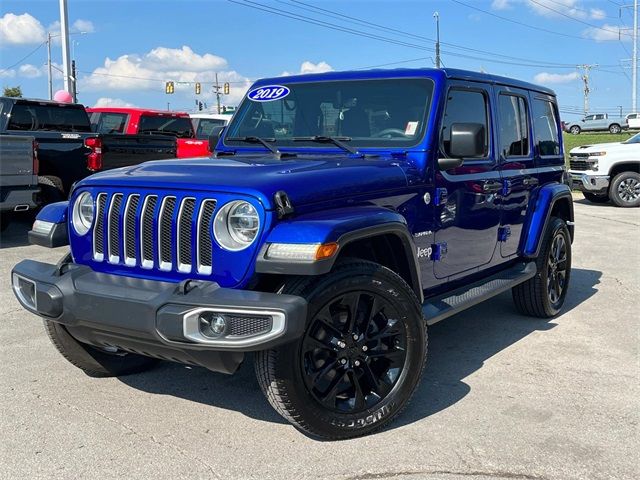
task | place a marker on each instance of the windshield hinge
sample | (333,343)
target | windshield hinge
(283,204)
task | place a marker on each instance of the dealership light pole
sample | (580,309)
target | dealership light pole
(634,61)
(49,66)
(66,58)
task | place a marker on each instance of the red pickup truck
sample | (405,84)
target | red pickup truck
(132,121)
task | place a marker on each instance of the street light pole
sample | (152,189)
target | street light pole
(49,66)
(436,15)
(634,66)
(66,60)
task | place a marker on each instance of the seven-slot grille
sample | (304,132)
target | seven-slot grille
(579,164)
(154,231)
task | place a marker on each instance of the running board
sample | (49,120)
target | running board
(450,303)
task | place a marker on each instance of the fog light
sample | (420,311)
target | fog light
(25,290)
(211,324)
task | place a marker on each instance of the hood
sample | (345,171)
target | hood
(595,148)
(306,178)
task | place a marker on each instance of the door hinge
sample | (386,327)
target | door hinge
(438,251)
(440,196)
(506,187)
(504,233)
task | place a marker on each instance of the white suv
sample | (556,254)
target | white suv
(608,171)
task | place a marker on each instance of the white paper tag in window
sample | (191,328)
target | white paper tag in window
(411,128)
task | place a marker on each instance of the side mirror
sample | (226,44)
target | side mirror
(214,137)
(467,140)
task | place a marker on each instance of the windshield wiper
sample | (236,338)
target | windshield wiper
(337,141)
(265,143)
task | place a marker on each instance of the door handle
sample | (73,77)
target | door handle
(530,181)
(491,186)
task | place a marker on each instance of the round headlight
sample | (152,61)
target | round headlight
(83,213)
(236,225)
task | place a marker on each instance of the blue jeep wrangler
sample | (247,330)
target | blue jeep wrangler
(341,214)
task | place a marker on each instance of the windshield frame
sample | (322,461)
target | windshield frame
(302,147)
(629,142)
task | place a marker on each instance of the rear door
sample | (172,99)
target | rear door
(467,198)
(517,165)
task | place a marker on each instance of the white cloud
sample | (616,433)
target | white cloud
(598,14)
(112,102)
(606,33)
(30,71)
(20,30)
(501,4)
(150,71)
(555,78)
(7,73)
(550,8)
(81,25)
(310,67)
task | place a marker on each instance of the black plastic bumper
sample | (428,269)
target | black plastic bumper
(148,316)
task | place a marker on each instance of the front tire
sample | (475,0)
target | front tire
(594,198)
(360,358)
(543,295)
(625,190)
(93,361)
(575,130)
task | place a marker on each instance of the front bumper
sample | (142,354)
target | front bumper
(158,319)
(586,182)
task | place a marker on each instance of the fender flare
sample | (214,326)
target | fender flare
(546,198)
(54,214)
(342,226)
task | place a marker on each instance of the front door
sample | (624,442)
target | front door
(516,164)
(466,198)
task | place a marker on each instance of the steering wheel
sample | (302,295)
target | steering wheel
(389,133)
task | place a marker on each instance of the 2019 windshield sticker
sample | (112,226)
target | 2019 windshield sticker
(268,93)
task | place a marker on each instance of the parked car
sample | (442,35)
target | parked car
(19,190)
(344,213)
(132,121)
(204,123)
(608,171)
(599,122)
(633,119)
(68,150)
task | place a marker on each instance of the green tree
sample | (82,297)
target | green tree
(12,91)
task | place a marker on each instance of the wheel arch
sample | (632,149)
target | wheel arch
(619,167)
(551,200)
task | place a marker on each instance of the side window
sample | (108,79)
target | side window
(464,106)
(514,126)
(599,117)
(588,118)
(22,118)
(108,122)
(545,126)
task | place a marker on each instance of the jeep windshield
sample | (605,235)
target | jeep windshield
(383,113)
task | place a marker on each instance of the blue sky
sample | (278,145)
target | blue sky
(132,47)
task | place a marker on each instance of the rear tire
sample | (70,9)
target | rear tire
(614,128)
(543,295)
(594,198)
(94,361)
(5,220)
(360,359)
(51,189)
(625,190)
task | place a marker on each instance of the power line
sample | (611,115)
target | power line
(23,58)
(559,12)
(158,79)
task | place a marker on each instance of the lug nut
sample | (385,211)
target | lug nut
(355,336)
(341,344)
(357,363)
(343,361)
(364,348)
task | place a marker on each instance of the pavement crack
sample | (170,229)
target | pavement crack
(635,224)
(438,472)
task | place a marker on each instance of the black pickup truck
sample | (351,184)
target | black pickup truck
(68,150)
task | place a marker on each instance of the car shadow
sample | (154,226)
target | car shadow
(15,234)
(458,347)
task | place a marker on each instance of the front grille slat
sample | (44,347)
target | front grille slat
(113,228)
(130,211)
(185,217)
(154,231)
(581,165)
(165,240)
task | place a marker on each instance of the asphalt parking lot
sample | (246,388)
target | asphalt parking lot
(504,396)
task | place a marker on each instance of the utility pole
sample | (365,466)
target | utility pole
(73,81)
(585,80)
(217,89)
(436,15)
(634,62)
(66,60)
(620,107)
(49,66)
